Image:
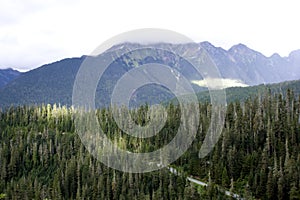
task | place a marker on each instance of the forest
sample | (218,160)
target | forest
(257,155)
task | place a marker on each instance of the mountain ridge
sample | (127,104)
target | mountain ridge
(53,82)
(7,75)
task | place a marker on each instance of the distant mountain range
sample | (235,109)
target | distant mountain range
(252,67)
(53,83)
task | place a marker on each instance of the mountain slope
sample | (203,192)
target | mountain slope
(252,67)
(53,83)
(7,75)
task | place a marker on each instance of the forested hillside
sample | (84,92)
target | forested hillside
(257,156)
(7,75)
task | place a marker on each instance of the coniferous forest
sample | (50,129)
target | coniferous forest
(257,156)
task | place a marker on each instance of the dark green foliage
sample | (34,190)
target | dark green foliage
(256,157)
(42,157)
(259,148)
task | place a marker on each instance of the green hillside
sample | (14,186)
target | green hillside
(256,157)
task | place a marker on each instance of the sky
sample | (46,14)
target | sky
(35,32)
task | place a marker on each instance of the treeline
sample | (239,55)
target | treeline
(256,157)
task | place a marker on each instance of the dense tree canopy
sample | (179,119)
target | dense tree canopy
(257,155)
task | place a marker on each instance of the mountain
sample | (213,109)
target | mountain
(7,75)
(51,83)
(252,67)
(240,65)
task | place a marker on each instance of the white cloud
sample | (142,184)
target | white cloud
(215,83)
(30,28)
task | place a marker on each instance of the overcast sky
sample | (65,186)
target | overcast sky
(36,32)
